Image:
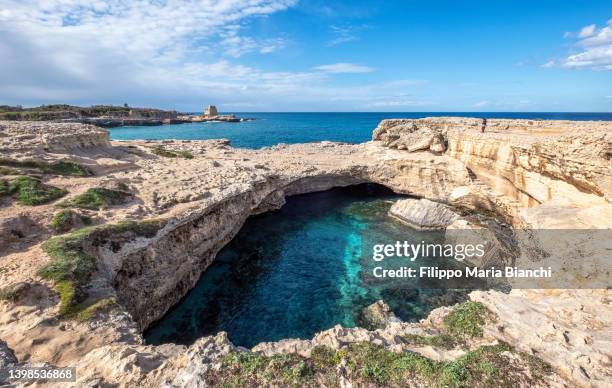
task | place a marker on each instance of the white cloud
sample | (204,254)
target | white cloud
(343,34)
(343,67)
(587,31)
(164,53)
(594,49)
(236,45)
(76,50)
(481,104)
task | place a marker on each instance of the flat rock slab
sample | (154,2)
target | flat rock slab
(423,213)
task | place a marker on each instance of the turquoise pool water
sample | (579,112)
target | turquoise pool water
(272,128)
(297,271)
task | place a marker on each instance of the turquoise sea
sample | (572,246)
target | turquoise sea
(272,128)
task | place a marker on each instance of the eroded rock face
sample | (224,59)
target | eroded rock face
(37,137)
(528,161)
(499,246)
(568,328)
(377,316)
(410,135)
(423,213)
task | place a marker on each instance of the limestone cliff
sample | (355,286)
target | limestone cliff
(527,173)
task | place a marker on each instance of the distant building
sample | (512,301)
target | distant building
(211,111)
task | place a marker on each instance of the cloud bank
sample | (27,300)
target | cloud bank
(594,46)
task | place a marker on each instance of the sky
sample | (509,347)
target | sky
(309,55)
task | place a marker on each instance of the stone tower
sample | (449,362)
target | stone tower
(211,111)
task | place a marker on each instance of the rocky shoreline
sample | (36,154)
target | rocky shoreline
(109,116)
(183,201)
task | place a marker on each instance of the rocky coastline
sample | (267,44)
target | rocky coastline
(109,116)
(160,211)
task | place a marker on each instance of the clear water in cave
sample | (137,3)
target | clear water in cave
(299,270)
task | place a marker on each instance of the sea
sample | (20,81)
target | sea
(268,129)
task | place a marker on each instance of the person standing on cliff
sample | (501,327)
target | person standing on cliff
(484,124)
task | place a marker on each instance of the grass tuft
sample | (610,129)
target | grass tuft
(31,191)
(62,167)
(65,219)
(70,267)
(444,341)
(467,319)
(67,168)
(373,365)
(166,153)
(97,198)
(87,313)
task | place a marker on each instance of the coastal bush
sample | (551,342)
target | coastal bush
(31,191)
(70,267)
(97,198)
(445,341)
(62,167)
(467,319)
(65,219)
(251,369)
(89,312)
(166,153)
(67,168)
(373,365)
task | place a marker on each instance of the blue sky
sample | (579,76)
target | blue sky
(287,55)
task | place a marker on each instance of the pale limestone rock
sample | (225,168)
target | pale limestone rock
(404,135)
(498,253)
(568,328)
(423,213)
(377,316)
(199,357)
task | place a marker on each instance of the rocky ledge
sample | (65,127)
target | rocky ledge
(158,213)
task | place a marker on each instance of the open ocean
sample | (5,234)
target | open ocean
(273,128)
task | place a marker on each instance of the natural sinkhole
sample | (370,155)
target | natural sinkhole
(302,269)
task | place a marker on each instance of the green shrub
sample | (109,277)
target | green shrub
(444,341)
(161,151)
(61,167)
(467,319)
(31,191)
(98,198)
(62,221)
(70,267)
(65,219)
(89,312)
(67,168)
(373,365)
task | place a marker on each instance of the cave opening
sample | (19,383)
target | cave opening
(304,268)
